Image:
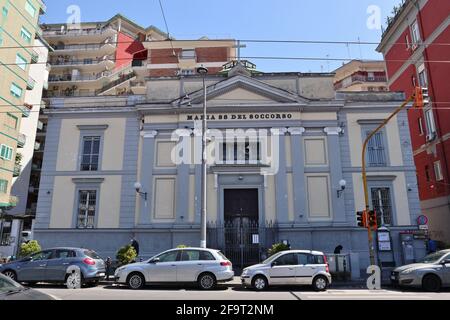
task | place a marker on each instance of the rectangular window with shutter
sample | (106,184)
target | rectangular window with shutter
(376,156)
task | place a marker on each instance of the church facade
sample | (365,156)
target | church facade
(284,165)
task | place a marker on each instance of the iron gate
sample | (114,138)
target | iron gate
(243,242)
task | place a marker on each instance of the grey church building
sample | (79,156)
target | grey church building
(280,147)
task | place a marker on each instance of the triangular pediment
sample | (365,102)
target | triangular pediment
(242,90)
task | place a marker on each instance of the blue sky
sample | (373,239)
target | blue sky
(328,20)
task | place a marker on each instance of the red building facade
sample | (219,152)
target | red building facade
(416,48)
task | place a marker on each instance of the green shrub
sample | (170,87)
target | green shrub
(181,246)
(278,247)
(29,248)
(126,255)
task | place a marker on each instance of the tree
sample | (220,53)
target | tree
(126,255)
(181,246)
(29,248)
(278,247)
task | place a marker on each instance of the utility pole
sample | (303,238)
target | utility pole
(203,71)
(420,96)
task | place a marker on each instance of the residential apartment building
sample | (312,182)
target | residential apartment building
(19,26)
(361,75)
(111,58)
(415,47)
(275,178)
(115,56)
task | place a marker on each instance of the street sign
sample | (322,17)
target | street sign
(423,227)
(422,220)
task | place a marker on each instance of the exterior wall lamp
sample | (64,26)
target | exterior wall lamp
(138,188)
(342,184)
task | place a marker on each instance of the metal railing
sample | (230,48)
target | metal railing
(77,62)
(115,83)
(80,77)
(21,140)
(78,32)
(368,79)
(17,170)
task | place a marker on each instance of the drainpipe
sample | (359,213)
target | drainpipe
(430,79)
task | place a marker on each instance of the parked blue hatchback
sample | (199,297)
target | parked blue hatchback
(57,265)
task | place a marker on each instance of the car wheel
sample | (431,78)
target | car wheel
(74,280)
(259,283)
(431,283)
(136,281)
(320,283)
(10,274)
(206,281)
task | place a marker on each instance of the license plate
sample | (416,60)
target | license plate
(101,274)
(393,277)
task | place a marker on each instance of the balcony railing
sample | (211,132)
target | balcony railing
(114,83)
(76,62)
(30,83)
(17,170)
(43,8)
(83,46)
(80,77)
(34,56)
(78,32)
(362,78)
(13,201)
(21,140)
(26,110)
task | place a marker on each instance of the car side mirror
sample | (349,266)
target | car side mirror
(446,261)
(274,264)
(156,260)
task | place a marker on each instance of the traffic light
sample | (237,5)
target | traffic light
(421,97)
(361,218)
(372,220)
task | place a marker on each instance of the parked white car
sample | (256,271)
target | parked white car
(206,267)
(293,267)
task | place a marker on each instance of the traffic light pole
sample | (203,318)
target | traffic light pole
(364,173)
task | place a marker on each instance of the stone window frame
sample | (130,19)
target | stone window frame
(384,182)
(91,131)
(367,125)
(83,184)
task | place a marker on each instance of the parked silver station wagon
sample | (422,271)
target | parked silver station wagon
(206,267)
(431,273)
(293,267)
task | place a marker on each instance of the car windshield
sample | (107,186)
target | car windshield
(271,258)
(7,285)
(432,258)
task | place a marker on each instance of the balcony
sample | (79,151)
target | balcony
(43,7)
(26,110)
(30,83)
(13,201)
(361,78)
(40,125)
(36,167)
(75,78)
(81,33)
(21,140)
(107,63)
(37,146)
(17,170)
(122,79)
(34,56)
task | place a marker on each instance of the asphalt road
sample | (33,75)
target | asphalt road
(115,292)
